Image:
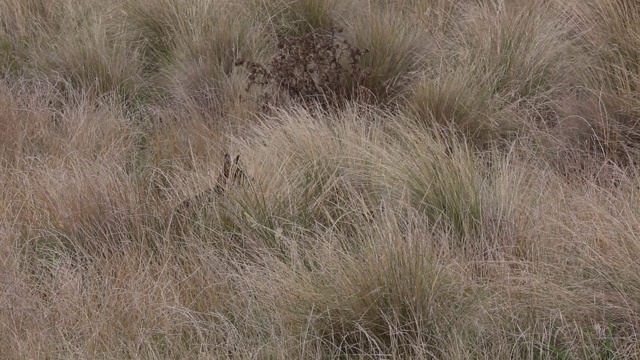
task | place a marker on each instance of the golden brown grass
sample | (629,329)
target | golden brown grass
(485,205)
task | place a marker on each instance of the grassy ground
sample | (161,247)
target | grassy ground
(440,179)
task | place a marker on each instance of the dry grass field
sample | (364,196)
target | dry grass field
(430,179)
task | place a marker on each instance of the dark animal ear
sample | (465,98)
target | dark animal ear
(237,171)
(226,168)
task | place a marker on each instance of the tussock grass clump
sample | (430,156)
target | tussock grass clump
(22,129)
(503,60)
(446,183)
(396,47)
(297,17)
(524,49)
(365,304)
(604,113)
(77,49)
(454,97)
(314,186)
(190,49)
(92,60)
(22,26)
(611,35)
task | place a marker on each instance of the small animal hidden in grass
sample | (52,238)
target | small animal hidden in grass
(232,175)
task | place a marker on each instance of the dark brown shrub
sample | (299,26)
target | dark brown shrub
(311,69)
